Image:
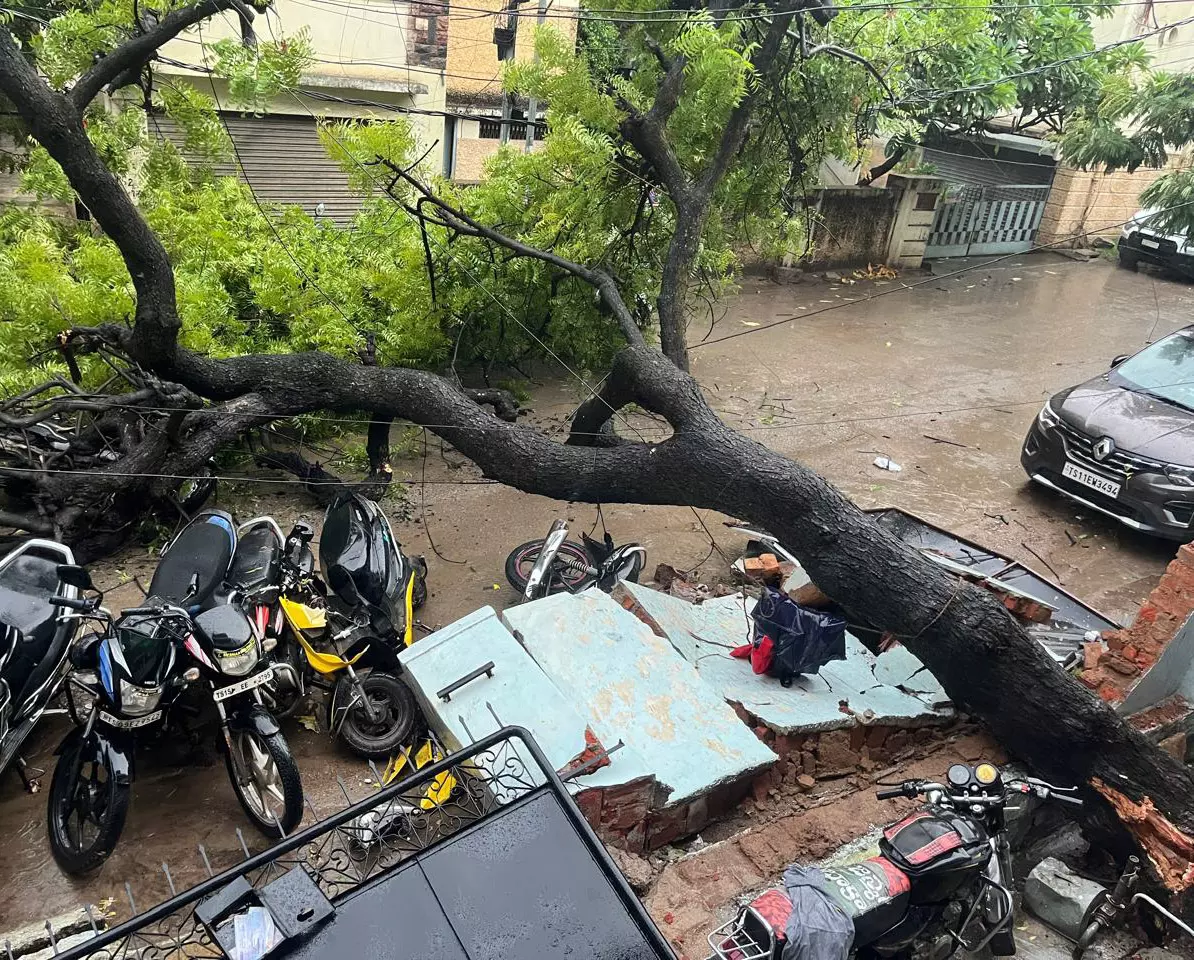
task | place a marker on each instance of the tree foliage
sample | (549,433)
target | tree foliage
(253,277)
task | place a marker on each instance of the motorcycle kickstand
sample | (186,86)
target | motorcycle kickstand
(32,782)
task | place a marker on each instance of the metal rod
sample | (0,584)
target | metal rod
(376,775)
(91,919)
(244,846)
(1161,910)
(128,892)
(53,939)
(206,862)
(343,790)
(311,806)
(169,879)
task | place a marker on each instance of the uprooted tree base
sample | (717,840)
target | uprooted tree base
(983,658)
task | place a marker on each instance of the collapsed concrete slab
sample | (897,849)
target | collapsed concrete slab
(860,689)
(512,691)
(634,686)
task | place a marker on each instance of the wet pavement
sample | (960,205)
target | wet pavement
(943,378)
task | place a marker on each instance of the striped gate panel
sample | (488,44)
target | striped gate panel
(974,221)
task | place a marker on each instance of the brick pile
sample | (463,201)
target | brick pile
(1111,672)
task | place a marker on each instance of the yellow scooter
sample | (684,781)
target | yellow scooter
(351,657)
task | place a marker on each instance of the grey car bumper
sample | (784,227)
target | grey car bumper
(1147,501)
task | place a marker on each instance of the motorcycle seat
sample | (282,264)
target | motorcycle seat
(255,563)
(25,590)
(875,894)
(196,562)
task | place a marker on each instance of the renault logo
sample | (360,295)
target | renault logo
(1103,448)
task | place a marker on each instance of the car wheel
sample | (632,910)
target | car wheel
(1128,260)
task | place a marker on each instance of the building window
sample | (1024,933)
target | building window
(492,130)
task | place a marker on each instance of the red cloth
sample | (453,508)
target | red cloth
(760,654)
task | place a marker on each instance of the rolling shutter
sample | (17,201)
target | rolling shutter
(284,162)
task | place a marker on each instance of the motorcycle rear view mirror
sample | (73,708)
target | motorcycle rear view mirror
(75,576)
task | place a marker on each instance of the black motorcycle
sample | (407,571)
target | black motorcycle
(555,563)
(133,675)
(343,645)
(35,638)
(943,874)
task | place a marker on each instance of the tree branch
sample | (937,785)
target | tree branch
(133,54)
(57,125)
(460,222)
(886,166)
(648,132)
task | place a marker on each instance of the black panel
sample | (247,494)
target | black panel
(397,918)
(523,884)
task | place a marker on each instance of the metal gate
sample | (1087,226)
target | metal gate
(982,220)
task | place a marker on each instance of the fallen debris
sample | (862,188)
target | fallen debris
(1061,898)
(886,463)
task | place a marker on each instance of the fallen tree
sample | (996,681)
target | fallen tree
(985,661)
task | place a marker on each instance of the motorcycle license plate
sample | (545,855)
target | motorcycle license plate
(1091,479)
(257,680)
(132,723)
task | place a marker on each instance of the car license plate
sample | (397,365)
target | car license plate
(132,723)
(1152,244)
(1090,479)
(257,680)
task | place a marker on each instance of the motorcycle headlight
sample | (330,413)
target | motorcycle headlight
(137,701)
(1048,419)
(239,662)
(1180,476)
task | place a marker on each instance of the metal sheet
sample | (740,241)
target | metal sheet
(523,885)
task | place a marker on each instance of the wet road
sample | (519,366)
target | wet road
(965,359)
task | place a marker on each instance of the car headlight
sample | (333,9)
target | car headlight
(138,701)
(240,662)
(1180,476)
(1048,419)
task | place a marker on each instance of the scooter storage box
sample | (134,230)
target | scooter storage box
(938,849)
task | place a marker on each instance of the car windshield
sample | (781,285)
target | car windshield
(1164,370)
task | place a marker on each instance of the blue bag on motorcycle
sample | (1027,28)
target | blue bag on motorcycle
(804,640)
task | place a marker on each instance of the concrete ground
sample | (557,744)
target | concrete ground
(966,359)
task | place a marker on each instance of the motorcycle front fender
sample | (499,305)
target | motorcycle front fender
(253,716)
(114,749)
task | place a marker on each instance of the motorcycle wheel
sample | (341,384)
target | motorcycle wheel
(396,711)
(194,492)
(85,826)
(522,559)
(273,797)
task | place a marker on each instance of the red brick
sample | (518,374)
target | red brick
(1091,653)
(666,826)
(720,874)
(835,757)
(875,738)
(765,850)
(589,802)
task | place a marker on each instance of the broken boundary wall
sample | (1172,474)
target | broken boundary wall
(1132,651)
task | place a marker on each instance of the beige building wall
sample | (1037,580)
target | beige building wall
(391,52)
(1086,203)
(1171,49)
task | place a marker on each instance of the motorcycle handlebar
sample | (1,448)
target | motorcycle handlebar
(892,793)
(72,603)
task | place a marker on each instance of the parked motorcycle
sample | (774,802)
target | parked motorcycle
(555,563)
(35,638)
(131,676)
(943,873)
(346,646)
